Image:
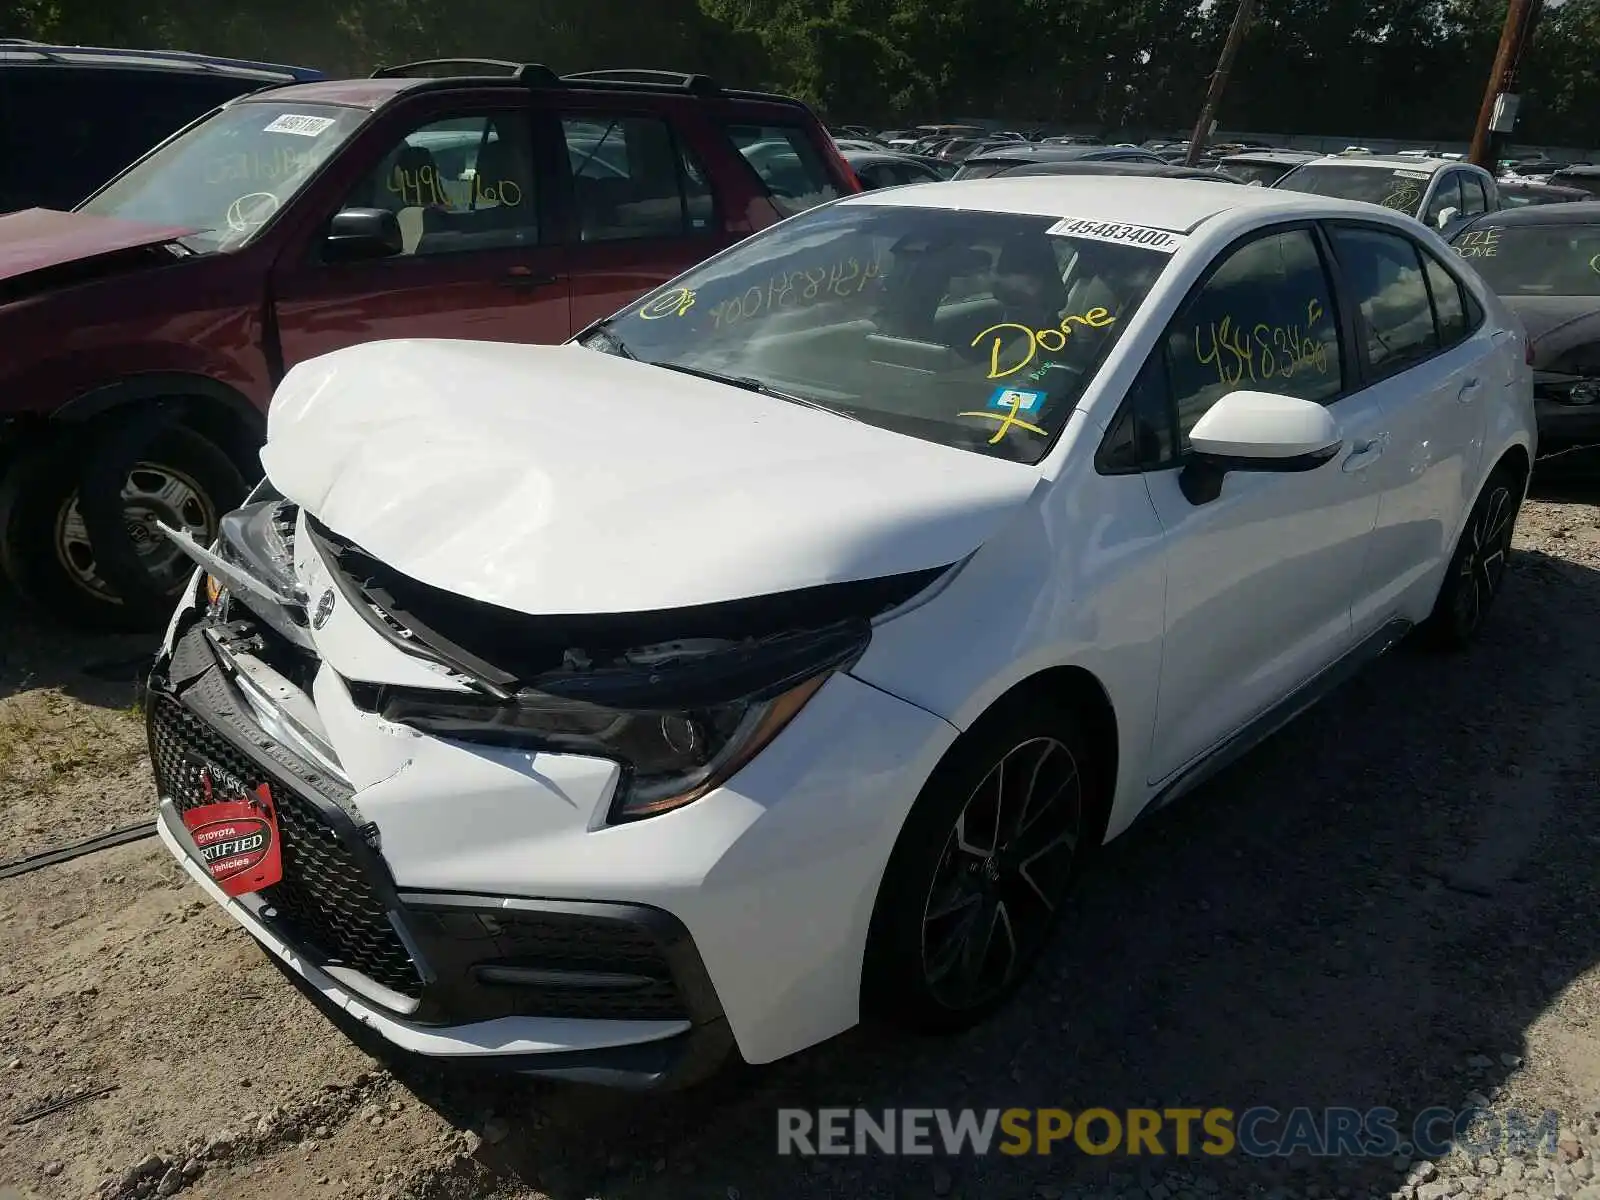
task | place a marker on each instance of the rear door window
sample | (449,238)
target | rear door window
(1449,308)
(787,163)
(1385,277)
(633,178)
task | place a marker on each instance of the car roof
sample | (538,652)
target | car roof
(1533,185)
(1035,152)
(21,52)
(1270,156)
(1109,167)
(1180,205)
(1414,162)
(867,157)
(1573,212)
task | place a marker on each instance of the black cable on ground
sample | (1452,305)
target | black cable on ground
(61,854)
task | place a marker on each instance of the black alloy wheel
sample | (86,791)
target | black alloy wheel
(1005,869)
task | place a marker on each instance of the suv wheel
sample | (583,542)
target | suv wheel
(180,479)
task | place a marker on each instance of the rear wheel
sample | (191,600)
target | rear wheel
(982,869)
(180,479)
(1478,567)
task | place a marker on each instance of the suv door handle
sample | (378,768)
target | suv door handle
(522,279)
(1469,391)
(1365,454)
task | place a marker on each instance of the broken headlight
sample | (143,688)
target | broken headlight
(260,538)
(678,730)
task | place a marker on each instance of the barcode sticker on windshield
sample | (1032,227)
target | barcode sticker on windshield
(1413,175)
(1143,236)
(298,124)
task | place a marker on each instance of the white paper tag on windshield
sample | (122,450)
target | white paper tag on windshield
(1413,175)
(1144,236)
(297,123)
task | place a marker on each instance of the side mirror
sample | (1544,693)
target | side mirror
(358,234)
(1446,215)
(1256,431)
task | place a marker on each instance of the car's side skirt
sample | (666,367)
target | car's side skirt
(1232,749)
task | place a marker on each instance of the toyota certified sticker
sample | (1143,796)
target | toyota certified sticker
(237,838)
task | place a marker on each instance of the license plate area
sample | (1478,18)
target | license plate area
(236,833)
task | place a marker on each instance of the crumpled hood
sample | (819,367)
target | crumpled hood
(560,480)
(40,237)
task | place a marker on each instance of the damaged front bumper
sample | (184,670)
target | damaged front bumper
(466,894)
(598,992)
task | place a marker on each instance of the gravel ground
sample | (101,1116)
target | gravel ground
(1391,903)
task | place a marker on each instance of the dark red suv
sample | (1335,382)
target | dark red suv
(141,335)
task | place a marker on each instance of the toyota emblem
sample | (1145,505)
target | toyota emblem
(324,610)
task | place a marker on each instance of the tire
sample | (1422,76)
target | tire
(943,895)
(1478,566)
(53,561)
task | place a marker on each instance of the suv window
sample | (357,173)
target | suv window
(460,183)
(1447,195)
(788,164)
(1474,199)
(632,178)
(1264,319)
(1385,276)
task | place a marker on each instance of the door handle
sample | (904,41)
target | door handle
(521,279)
(1469,391)
(1365,454)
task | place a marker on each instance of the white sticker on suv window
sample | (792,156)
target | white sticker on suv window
(1413,175)
(1145,236)
(299,124)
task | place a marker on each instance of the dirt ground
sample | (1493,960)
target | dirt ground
(1392,903)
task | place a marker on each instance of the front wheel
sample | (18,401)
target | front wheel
(180,480)
(982,869)
(1478,567)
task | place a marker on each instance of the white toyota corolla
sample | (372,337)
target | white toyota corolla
(778,651)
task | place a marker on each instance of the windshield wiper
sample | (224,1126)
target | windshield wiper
(600,331)
(749,384)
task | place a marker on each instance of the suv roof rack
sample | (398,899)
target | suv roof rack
(537,75)
(170,59)
(423,65)
(700,85)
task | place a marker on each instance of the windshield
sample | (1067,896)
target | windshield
(971,329)
(1266,174)
(228,175)
(1399,188)
(1535,260)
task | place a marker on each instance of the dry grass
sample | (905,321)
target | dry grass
(49,739)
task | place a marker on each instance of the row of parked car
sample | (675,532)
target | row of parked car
(476,199)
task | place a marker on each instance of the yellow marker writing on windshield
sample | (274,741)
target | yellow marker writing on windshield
(669,304)
(1006,419)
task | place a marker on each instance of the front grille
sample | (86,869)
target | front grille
(324,902)
(558,942)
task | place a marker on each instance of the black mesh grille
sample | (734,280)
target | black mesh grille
(324,901)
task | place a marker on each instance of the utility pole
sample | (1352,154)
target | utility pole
(1219,79)
(1497,115)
